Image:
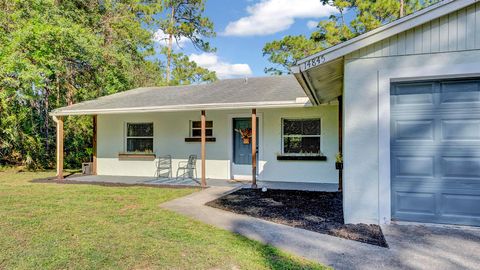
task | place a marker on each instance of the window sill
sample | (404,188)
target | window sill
(300,157)
(136,156)
(197,139)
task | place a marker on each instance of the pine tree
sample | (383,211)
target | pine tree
(185,20)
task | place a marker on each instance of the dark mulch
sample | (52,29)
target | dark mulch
(320,212)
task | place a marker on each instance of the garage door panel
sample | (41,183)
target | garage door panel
(426,206)
(461,130)
(435,152)
(414,166)
(415,202)
(466,205)
(414,94)
(461,167)
(423,130)
(460,92)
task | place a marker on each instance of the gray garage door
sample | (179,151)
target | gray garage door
(435,151)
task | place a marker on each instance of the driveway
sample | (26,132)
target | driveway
(411,246)
(433,247)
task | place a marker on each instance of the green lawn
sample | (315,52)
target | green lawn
(53,226)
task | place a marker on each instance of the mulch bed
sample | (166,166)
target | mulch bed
(320,212)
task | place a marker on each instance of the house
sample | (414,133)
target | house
(402,103)
(167,121)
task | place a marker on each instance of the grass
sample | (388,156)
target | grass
(52,226)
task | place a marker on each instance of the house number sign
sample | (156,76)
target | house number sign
(316,61)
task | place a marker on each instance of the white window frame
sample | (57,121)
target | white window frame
(291,136)
(138,137)
(191,128)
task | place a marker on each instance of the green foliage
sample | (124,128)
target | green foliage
(54,53)
(184,20)
(186,71)
(285,52)
(368,15)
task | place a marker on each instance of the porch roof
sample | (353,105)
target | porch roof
(260,92)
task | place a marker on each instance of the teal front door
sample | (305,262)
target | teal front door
(242,149)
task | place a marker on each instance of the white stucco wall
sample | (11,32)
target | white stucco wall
(367,123)
(170,130)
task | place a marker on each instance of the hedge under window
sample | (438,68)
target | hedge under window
(301,136)
(139,137)
(196,129)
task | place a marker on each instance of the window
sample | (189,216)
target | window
(301,136)
(196,129)
(139,137)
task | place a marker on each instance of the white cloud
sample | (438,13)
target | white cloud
(223,69)
(160,37)
(272,16)
(312,24)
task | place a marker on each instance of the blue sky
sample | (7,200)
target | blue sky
(244,26)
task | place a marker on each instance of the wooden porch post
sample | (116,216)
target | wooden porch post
(254,148)
(59,122)
(203,139)
(94,146)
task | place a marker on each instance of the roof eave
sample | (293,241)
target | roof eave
(304,82)
(194,107)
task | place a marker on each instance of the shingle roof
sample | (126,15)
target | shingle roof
(223,93)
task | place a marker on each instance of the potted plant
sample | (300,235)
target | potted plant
(339,161)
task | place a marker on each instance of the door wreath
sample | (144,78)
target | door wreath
(245,134)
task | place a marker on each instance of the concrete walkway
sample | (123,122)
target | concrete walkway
(411,246)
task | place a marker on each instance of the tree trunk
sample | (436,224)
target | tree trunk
(170,44)
(342,16)
(47,122)
(57,80)
(402,7)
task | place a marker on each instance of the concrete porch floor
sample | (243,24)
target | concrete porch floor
(135,180)
(141,180)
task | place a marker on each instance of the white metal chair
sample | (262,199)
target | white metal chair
(164,167)
(188,168)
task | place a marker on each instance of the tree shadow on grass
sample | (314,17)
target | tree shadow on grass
(276,259)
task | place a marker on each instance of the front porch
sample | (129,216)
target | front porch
(142,180)
(242,134)
(147,154)
(179,182)
(224,156)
